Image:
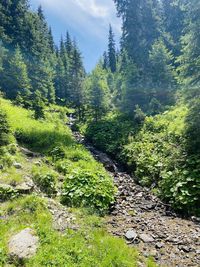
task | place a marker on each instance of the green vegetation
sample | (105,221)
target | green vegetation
(89,246)
(140,104)
(85,181)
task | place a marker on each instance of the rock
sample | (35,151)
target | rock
(17,165)
(185,249)
(131,235)
(25,188)
(159,245)
(146,238)
(29,153)
(38,163)
(23,245)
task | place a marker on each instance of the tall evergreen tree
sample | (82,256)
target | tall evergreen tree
(77,75)
(105,61)
(98,92)
(16,78)
(190,58)
(51,41)
(140,29)
(173,24)
(68,45)
(43,80)
(111,50)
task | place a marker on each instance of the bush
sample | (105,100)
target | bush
(110,134)
(45,179)
(158,157)
(89,189)
(4,129)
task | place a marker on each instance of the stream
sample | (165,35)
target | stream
(145,222)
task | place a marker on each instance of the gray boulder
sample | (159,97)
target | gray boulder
(131,235)
(23,245)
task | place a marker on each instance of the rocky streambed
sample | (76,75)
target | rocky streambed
(148,224)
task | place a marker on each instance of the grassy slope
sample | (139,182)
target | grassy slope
(89,246)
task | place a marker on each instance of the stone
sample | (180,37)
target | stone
(25,188)
(38,163)
(159,245)
(17,165)
(131,235)
(185,249)
(146,238)
(23,245)
(29,153)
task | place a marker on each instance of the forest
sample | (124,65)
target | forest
(140,106)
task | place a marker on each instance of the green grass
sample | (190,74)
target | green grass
(89,246)
(39,135)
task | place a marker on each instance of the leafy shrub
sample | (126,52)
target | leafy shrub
(45,179)
(158,157)
(57,153)
(7,193)
(89,189)
(4,129)
(110,134)
(181,186)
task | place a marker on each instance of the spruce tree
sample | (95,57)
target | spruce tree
(111,50)
(16,77)
(77,74)
(43,80)
(162,73)
(105,61)
(98,93)
(140,29)
(190,59)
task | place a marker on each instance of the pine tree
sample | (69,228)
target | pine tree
(68,45)
(173,24)
(43,80)
(16,77)
(13,21)
(111,50)
(77,75)
(51,41)
(162,71)
(105,61)
(190,58)
(140,29)
(98,93)
(3,53)
(60,81)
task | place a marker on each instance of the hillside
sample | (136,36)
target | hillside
(100,168)
(32,185)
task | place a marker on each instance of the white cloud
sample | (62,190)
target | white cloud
(90,17)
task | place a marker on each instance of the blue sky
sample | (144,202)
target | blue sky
(86,20)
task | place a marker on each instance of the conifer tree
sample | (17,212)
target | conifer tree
(105,61)
(43,80)
(68,45)
(190,58)
(16,77)
(60,81)
(51,41)
(111,50)
(98,93)
(77,75)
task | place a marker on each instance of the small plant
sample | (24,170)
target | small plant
(57,153)
(89,189)
(4,129)
(7,193)
(45,179)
